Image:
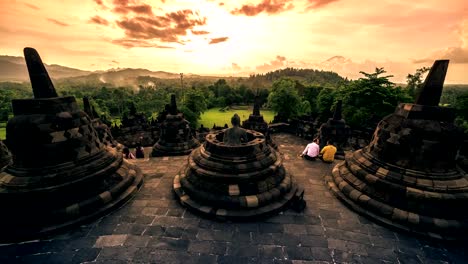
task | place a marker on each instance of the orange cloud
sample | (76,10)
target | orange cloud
(319,3)
(218,40)
(457,54)
(273,65)
(132,43)
(166,28)
(60,23)
(142,27)
(200,32)
(99,20)
(267,6)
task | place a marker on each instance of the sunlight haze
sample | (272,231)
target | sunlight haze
(238,38)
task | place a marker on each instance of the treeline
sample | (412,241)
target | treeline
(291,93)
(365,101)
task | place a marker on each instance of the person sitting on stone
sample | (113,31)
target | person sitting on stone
(127,154)
(311,151)
(139,151)
(235,135)
(327,154)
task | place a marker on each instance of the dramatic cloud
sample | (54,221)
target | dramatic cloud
(273,65)
(138,9)
(31,6)
(267,6)
(142,26)
(58,22)
(454,54)
(200,32)
(132,43)
(319,3)
(218,40)
(168,28)
(99,20)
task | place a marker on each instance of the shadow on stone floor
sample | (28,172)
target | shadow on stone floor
(154,228)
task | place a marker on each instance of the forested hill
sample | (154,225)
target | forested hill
(305,76)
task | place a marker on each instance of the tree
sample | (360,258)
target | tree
(325,100)
(193,105)
(367,100)
(414,81)
(284,98)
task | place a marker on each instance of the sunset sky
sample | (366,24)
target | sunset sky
(241,37)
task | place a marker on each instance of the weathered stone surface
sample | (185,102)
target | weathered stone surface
(336,130)
(256,122)
(407,176)
(136,129)
(5,156)
(61,172)
(104,132)
(333,230)
(236,181)
(176,137)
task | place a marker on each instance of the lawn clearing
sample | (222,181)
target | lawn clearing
(214,116)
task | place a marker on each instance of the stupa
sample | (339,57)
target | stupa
(235,175)
(256,122)
(407,176)
(61,173)
(336,130)
(104,133)
(176,137)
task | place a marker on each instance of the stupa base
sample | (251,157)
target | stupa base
(388,215)
(38,220)
(236,214)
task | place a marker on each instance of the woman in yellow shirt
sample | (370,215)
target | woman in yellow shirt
(328,152)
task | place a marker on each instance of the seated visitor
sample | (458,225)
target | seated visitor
(139,152)
(235,135)
(327,154)
(311,151)
(127,154)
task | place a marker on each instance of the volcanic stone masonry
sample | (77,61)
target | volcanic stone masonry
(61,173)
(5,156)
(104,133)
(226,180)
(256,122)
(176,137)
(407,176)
(336,130)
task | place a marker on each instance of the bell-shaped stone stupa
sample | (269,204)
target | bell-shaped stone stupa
(61,173)
(104,132)
(176,137)
(235,175)
(336,130)
(407,176)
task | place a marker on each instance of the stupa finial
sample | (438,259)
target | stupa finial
(40,81)
(433,85)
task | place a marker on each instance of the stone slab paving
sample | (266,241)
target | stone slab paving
(154,228)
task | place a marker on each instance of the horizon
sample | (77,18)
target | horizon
(215,38)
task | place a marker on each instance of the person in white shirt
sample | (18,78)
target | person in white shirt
(311,151)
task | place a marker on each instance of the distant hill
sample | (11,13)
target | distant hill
(14,69)
(305,76)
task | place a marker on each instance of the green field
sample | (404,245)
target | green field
(215,116)
(208,118)
(3,131)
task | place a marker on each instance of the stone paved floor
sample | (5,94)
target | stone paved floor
(154,228)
